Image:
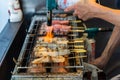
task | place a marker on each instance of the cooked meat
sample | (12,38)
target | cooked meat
(40,51)
(39,68)
(56,48)
(65,22)
(61,28)
(58,59)
(42,30)
(58,27)
(43,59)
(59,68)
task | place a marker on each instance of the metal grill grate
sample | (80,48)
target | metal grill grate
(21,71)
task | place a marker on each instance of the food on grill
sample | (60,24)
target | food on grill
(61,29)
(39,51)
(59,68)
(78,50)
(58,27)
(64,22)
(57,47)
(50,52)
(58,59)
(46,59)
(42,29)
(37,68)
(43,59)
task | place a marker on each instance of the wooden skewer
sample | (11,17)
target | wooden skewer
(72,35)
(78,50)
(79,46)
(77,57)
(81,41)
(77,27)
(77,39)
(76,21)
(77,30)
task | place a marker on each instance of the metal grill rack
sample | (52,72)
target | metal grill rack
(76,62)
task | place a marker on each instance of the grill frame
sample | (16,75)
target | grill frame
(32,34)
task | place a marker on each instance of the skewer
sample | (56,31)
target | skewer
(80,46)
(76,46)
(76,30)
(77,57)
(15,61)
(62,42)
(72,35)
(78,50)
(76,39)
(73,27)
(75,21)
(52,67)
(81,41)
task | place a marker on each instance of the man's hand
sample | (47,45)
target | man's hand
(99,62)
(112,44)
(84,9)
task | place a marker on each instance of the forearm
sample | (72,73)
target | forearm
(113,42)
(108,14)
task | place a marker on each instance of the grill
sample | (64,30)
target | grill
(70,56)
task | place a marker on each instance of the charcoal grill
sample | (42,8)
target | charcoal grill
(77,65)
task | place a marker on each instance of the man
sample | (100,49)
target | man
(86,9)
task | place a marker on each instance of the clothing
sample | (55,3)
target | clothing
(118,4)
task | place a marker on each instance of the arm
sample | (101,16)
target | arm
(108,14)
(90,9)
(113,42)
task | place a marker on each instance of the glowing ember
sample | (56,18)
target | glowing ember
(49,34)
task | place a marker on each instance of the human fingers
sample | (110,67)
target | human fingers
(79,13)
(87,16)
(75,13)
(82,13)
